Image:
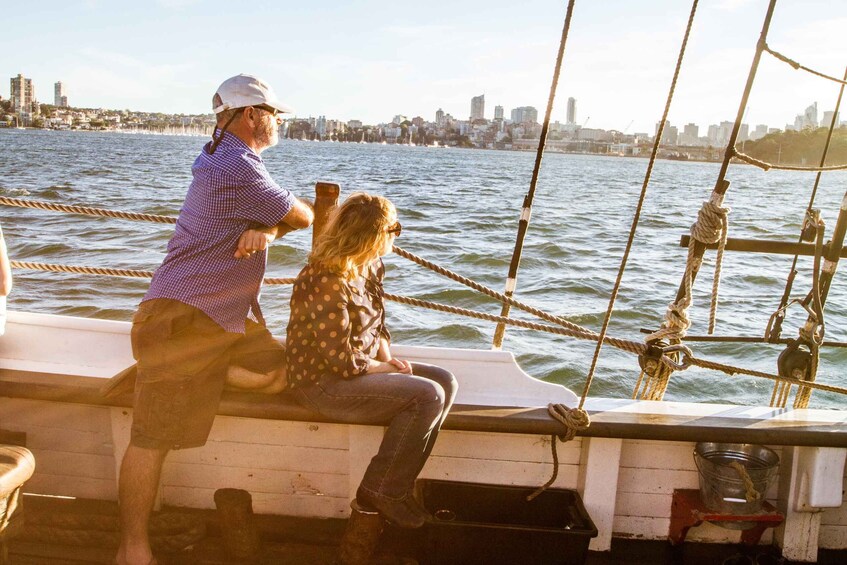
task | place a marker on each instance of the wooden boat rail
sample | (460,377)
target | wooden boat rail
(610,418)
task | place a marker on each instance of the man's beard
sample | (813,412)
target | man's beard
(266,133)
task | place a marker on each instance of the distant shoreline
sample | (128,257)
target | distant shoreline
(547,151)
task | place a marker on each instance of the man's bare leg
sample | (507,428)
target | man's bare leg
(137,487)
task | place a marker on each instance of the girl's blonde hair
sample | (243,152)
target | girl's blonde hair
(354,234)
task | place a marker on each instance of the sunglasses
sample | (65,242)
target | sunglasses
(396,229)
(272,111)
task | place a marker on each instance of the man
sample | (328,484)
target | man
(201,314)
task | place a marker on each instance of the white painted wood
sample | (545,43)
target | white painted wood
(833,537)
(597,484)
(364,444)
(278,432)
(798,534)
(822,473)
(311,469)
(253,480)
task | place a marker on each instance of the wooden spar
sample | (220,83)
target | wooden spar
(326,198)
(767,246)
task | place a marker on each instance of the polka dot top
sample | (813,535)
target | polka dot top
(334,325)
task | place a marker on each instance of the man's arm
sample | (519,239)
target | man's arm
(301,215)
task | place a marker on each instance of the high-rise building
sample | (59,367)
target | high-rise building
(524,114)
(571,110)
(23,94)
(498,112)
(810,116)
(59,98)
(827,118)
(478,107)
(439,117)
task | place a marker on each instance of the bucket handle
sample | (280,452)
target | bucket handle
(751,494)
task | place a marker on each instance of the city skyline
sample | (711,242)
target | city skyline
(369,65)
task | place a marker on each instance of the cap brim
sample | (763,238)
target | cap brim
(281,106)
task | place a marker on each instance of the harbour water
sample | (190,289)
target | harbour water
(459,209)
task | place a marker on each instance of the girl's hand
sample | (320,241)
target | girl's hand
(402,366)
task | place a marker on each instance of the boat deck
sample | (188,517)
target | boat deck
(302,541)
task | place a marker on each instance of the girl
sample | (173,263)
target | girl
(339,361)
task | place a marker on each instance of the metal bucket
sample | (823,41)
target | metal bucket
(734,477)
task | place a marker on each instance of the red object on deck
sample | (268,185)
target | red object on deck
(688,510)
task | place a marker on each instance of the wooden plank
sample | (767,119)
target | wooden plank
(74,464)
(653,481)
(18,414)
(253,480)
(507,447)
(833,536)
(498,472)
(272,457)
(70,440)
(658,455)
(279,432)
(643,505)
(80,487)
(264,503)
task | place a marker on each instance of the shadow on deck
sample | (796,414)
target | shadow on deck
(308,541)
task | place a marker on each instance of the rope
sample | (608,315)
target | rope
(765,166)
(750,492)
(492,293)
(109,272)
(774,328)
(574,419)
(635,347)
(85,210)
(635,218)
(731,370)
(798,66)
(523,223)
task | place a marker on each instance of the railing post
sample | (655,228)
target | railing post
(326,198)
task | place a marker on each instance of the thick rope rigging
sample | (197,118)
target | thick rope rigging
(798,66)
(634,347)
(85,210)
(637,215)
(765,166)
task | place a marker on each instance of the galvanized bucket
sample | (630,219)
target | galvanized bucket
(734,477)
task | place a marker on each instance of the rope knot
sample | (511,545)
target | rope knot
(575,419)
(711,222)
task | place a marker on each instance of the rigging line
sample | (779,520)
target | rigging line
(765,166)
(638,209)
(777,327)
(751,76)
(523,223)
(490,292)
(624,345)
(85,210)
(798,66)
(110,272)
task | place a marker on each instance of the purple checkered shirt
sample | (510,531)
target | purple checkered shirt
(231,192)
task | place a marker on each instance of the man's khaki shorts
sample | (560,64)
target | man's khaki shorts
(183,357)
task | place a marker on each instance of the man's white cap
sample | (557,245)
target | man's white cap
(245,90)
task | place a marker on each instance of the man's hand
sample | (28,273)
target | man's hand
(254,240)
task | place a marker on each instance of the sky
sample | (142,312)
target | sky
(373,59)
